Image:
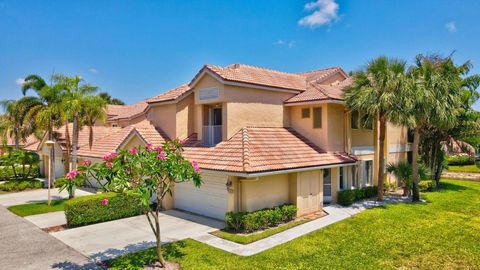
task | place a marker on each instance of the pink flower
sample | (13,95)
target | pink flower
(149,147)
(104,201)
(161,156)
(195,166)
(107,157)
(182,141)
(133,150)
(71,174)
(108,165)
(159,149)
(87,162)
(113,155)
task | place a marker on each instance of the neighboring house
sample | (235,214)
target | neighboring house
(262,138)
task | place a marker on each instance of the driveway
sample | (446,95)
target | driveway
(114,238)
(39,195)
(24,246)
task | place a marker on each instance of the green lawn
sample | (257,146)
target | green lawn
(466,168)
(443,233)
(246,239)
(29,209)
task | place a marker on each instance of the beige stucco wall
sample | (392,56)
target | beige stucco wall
(335,127)
(267,191)
(396,134)
(60,167)
(133,142)
(304,126)
(164,116)
(185,117)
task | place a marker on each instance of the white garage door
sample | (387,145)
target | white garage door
(208,200)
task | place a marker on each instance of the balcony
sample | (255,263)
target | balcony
(212,135)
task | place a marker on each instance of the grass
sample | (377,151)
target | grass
(465,168)
(441,234)
(246,239)
(29,209)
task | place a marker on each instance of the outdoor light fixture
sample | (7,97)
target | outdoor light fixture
(50,144)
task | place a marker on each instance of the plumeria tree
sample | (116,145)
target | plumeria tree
(147,171)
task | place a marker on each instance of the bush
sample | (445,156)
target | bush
(260,219)
(93,209)
(347,197)
(461,160)
(19,185)
(427,185)
(6,173)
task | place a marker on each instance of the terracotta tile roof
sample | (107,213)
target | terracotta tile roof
(316,91)
(170,95)
(117,112)
(256,149)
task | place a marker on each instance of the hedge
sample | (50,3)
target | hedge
(89,209)
(260,219)
(19,185)
(427,185)
(349,196)
(6,172)
(461,160)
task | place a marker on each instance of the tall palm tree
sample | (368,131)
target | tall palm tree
(114,101)
(14,123)
(431,95)
(76,99)
(48,112)
(93,111)
(373,93)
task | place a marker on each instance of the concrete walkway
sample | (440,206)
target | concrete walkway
(114,238)
(39,195)
(48,219)
(24,246)
(336,213)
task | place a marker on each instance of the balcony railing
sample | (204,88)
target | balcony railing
(212,135)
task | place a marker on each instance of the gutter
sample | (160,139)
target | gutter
(258,174)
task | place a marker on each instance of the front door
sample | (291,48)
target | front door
(327,185)
(309,192)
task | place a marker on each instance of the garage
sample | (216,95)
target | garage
(209,200)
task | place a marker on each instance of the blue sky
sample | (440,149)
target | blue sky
(139,49)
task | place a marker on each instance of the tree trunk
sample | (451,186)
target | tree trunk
(157,236)
(17,139)
(75,142)
(68,142)
(415,180)
(381,156)
(51,169)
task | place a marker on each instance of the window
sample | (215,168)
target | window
(317,117)
(342,179)
(354,177)
(114,125)
(305,112)
(368,172)
(354,119)
(365,123)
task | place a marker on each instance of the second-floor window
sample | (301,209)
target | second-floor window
(354,120)
(305,112)
(360,121)
(317,117)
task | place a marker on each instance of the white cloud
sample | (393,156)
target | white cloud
(324,12)
(93,70)
(288,43)
(451,27)
(20,81)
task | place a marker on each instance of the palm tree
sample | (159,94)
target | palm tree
(93,111)
(15,123)
(47,112)
(373,93)
(431,96)
(403,171)
(114,101)
(76,99)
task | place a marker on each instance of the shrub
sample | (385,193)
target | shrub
(19,185)
(260,219)
(427,185)
(346,197)
(6,173)
(461,160)
(102,207)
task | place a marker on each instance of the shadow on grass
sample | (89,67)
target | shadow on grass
(448,186)
(115,252)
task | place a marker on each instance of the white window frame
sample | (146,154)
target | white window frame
(344,173)
(368,180)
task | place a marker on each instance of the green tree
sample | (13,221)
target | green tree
(403,171)
(144,171)
(14,123)
(109,100)
(47,113)
(373,94)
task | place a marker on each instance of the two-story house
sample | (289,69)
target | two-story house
(262,138)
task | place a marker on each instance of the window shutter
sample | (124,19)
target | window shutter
(305,112)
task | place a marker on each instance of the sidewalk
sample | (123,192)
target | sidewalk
(39,195)
(336,213)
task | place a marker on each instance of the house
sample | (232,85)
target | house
(262,138)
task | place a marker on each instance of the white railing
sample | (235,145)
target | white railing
(212,135)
